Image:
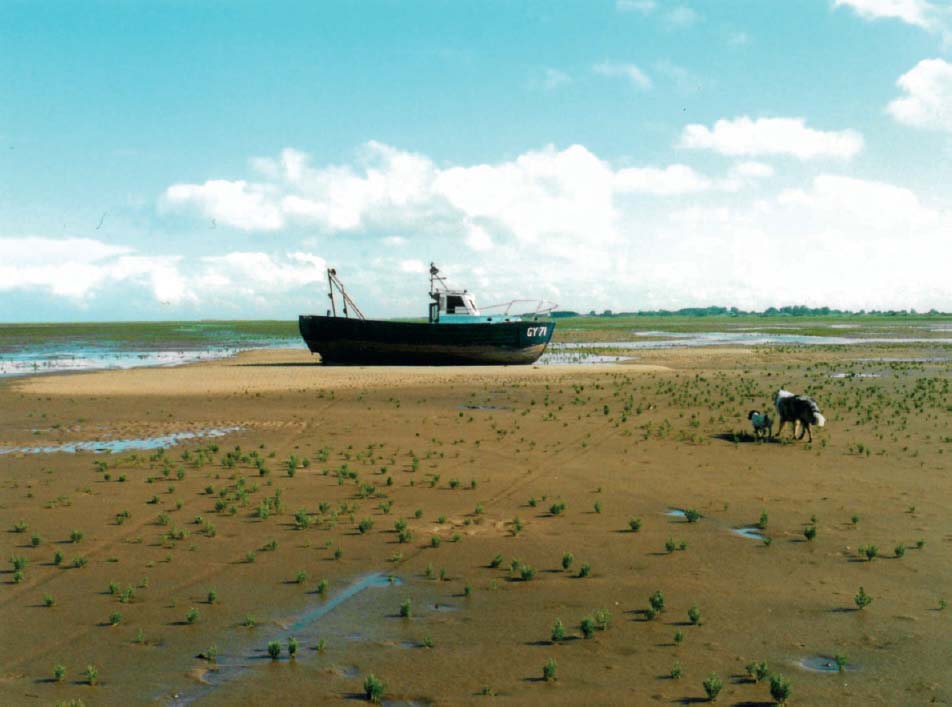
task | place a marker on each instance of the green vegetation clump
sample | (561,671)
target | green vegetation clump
(713,686)
(274,650)
(567,560)
(373,688)
(694,615)
(809,532)
(558,631)
(634,524)
(862,599)
(549,670)
(585,570)
(758,670)
(780,688)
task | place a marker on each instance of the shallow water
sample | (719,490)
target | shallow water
(38,358)
(673,340)
(230,667)
(114,446)
(823,664)
(750,532)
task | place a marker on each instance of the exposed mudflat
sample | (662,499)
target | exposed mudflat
(528,463)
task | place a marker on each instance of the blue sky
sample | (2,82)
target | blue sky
(207,159)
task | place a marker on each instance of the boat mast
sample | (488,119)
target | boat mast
(332,283)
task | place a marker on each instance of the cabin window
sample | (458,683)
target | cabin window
(454,301)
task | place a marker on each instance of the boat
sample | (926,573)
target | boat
(456,333)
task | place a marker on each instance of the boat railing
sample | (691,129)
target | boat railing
(506,308)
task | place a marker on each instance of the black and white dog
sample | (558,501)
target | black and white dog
(762,423)
(797,408)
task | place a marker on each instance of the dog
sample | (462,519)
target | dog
(797,408)
(762,422)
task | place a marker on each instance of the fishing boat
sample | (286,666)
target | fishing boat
(457,331)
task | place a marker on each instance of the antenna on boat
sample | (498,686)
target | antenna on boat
(332,283)
(435,278)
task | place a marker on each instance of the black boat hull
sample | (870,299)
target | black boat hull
(341,341)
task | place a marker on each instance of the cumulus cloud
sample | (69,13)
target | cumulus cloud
(681,16)
(914,12)
(74,267)
(79,268)
(928,100)
(638,78)
(674,179)
(568,225)
(643,6)
(238,203)
(744,137)
(551,79)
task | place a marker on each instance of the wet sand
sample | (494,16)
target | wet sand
(473,450)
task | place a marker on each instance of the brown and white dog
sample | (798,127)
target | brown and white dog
(797,408)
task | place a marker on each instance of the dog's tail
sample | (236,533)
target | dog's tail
(818,418)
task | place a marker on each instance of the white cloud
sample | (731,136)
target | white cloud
(478,239)
(681,16)
(76,267)
(412,266)
(928,100)
(672,180)
(752,170)
(913,12)
(637,77)
(80,268)
(570,226)
(239,204)
(643,6)
(743,137)
(553,79)
(738,38)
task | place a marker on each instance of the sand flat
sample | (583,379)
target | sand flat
(473,450)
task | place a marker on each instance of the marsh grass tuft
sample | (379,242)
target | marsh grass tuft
(373,688)
(758,670)
(587,625)
(549,670)
(780,688)
(862,599)
(713,686)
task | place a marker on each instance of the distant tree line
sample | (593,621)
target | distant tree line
(789,311)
